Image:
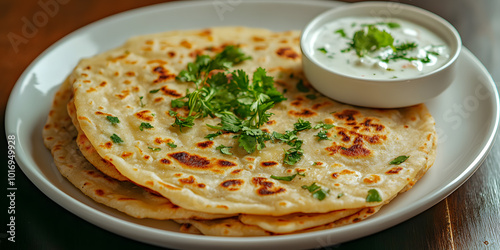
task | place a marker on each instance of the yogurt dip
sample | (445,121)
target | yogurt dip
(369,47)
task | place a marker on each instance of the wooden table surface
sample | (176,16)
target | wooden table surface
(468,219)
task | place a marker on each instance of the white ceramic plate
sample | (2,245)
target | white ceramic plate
(466,118)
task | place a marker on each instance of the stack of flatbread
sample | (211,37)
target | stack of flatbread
(162,172)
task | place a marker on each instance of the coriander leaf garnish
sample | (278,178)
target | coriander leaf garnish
(140,101)
(398,160)
(301,87)
(182,121)
(241,104)
(323,125)
(317,191)
(145,125)
(287,178)
(373,196)
(340,195)
(391,25)
(321,194)
(284,178)
(224,149)
(341,32)
(116,139)
(178,103)
(313,187)
(213,135)
(322,50)
(322,135)
(302,125)
(154,91)
(293,155)
(171,144)
(113,120)
(371,40)
(154,149)
(406,46)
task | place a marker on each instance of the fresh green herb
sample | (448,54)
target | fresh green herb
(287,137)
(341,32)
(398,160)
(323,125)
(371,40)
(321,194)
(145,125)
(313,187)
(140,100)
(391,25)
(302,125)
(301,87)
(293,155)
(346,50)
(343,148)
(373,196)
(154,91)
(284,178)
(178,103)
(213,135)
(212,93)
(224,149)
(311,97)
(116,139)
(317,191)
(322,50)
(113,120)
(322,135)
(426,59)
(197,71)
(154,149)
(340,195)
(287,178)
(406,46)
(241,104)
(182,122)
(171,144)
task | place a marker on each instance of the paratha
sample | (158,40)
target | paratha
(136,83)
(60,136)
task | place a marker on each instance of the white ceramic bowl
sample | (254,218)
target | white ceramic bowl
(380,93)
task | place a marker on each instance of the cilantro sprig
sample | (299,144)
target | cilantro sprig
(370,39)
(287,178)
(241,104)
(114,120)
(373,196)
(317,191)
(398,160)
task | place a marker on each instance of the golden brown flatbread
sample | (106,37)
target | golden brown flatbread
(195,181)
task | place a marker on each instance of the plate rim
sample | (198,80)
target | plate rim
(62,199)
